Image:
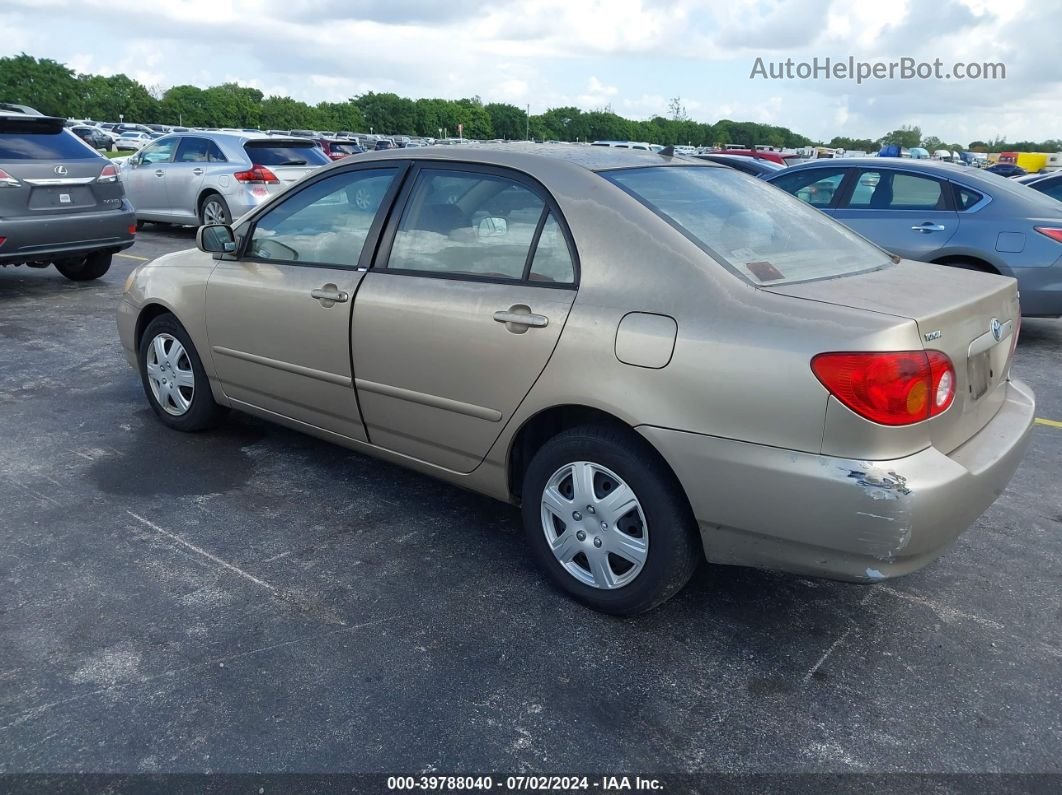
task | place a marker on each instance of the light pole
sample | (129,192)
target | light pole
(527,133)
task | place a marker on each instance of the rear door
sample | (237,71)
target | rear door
(461,313)
(908,214)
(184,176)
(145,177)
(278,316)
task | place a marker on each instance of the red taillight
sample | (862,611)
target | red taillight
(256,173)
(896,388)
(132,229)
(1051,232)
(108,174)
(3,240)
(7,181)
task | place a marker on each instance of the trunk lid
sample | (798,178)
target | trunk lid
(972,317)
(52,172)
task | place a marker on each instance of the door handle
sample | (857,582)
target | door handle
(197,171)
(329,295)
(159,172)
(928,227)
(519,318)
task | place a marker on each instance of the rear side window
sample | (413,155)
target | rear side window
(61,145)
(889,190)
(468,225)
(285,153)
(967,198)
(198,150)
(756,231)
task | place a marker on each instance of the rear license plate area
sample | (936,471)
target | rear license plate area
(61,197)
(979,373)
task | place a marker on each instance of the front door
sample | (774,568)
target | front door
(461,313)
(145,180)
(278,318)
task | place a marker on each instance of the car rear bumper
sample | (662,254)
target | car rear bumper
(1040,290)
(49,237)
(842,518)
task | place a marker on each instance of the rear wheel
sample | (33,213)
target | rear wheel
(85,268)
(214,210)
(607,520)
(173,377)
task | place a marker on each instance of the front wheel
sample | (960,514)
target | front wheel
(608,521)
(85,269)
(174,379)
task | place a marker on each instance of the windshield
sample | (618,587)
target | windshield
(758,231)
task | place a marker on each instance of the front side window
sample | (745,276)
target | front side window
(756,231)
(891,190)
(465,223)
(816,186)
(159,152)
(326,223)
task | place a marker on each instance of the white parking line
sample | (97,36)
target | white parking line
(134,256)
(202,552)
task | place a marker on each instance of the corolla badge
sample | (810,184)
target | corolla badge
(60,170)
(997,329)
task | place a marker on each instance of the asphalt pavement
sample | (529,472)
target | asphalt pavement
(251,599)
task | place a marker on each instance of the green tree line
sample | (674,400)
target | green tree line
(909,137)
(55,89)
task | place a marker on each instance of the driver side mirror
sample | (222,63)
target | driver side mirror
(216,239)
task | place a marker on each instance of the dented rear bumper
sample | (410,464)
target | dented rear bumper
(843,518)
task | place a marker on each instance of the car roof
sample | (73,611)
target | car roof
(525,155)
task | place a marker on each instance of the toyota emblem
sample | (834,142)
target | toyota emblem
(997,329)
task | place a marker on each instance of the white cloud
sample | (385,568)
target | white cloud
(631,54)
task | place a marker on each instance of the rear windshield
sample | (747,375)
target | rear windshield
(285,153)
(758,231)
(349,149)
(42,146)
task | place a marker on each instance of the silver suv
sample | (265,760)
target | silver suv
(60,202)
(213,177)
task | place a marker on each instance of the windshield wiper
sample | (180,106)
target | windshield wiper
(294,163)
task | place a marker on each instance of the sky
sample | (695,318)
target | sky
(630,55)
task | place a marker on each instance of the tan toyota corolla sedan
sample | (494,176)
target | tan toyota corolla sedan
(660,360)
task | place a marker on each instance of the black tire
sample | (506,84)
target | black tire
(86,268)
(218,201)
(674,547)
(202,412)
